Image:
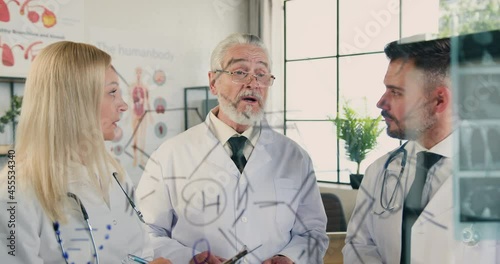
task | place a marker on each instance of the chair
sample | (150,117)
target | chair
(334,213)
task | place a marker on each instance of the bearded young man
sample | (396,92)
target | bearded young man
(233,182)
(404,209)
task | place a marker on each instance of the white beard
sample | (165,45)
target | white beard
(246,117)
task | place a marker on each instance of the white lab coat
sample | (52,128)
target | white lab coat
(374,234)
(195,197)
(117,229)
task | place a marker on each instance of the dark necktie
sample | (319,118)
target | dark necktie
(413,203)
(237,144)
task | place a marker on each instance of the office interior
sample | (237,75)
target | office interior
(325,54)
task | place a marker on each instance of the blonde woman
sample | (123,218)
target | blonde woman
(71,201)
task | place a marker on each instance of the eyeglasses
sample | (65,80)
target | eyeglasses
(240,77)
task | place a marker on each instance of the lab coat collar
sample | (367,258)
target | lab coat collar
(223,132)
(260,156)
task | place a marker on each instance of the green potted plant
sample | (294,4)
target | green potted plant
(360,136)
(12,113)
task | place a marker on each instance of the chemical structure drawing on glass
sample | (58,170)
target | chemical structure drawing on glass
(205,199)
(204,194)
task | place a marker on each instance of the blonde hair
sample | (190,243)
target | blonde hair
(60,124)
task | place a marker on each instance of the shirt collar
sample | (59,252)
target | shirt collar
(443,148)
(223,132)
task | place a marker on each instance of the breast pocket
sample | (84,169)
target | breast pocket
(286,203)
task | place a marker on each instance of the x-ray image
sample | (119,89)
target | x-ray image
(478,80)
(479,199)
(480,95)
(479,49)
(480,148)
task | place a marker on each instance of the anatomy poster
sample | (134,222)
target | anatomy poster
(26,26)
(145,66)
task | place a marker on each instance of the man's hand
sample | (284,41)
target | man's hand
(278,259)
(206,257)
(160,261)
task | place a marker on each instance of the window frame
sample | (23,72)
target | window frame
(337,57)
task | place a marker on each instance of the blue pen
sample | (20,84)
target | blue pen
(137,259)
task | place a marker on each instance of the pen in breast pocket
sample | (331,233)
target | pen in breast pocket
(137,259)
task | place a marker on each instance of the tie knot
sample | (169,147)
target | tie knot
(427,159)
(237,144)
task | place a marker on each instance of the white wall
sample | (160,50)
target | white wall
(193,27)
(198,25)
(188,30)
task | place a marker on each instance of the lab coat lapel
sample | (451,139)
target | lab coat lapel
(118,199)
(441,203)
(436,238)
(260,156)
(432,234)
(213,150)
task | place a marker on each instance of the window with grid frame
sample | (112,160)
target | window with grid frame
(333,54)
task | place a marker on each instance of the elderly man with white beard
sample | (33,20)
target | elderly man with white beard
(232,183)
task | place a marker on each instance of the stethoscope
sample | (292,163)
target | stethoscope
(470,236)
(391,205)
(89,227)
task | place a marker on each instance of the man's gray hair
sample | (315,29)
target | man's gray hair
(234,39)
